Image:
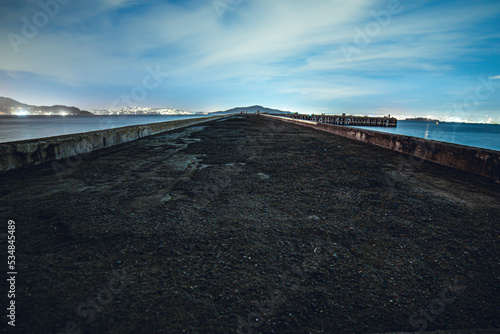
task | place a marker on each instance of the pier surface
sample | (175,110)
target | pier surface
(250,224)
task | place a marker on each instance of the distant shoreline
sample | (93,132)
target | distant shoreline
(215,113)
(105,115)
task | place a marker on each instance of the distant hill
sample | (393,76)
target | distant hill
(12,107)
(251,110)
(422,119)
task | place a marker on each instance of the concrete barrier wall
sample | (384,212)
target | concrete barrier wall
(24,153)
(474,160)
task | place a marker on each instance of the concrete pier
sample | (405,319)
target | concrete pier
(250,224)
(24,153)
(344,119)
(479,161)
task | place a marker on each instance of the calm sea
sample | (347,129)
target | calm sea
(14,128)
(469,134)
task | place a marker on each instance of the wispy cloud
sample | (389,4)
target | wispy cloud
(281,52)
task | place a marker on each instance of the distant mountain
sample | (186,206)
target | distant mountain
(422,119)
(251,110)
(12,107)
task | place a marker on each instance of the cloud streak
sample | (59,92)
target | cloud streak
(267,52)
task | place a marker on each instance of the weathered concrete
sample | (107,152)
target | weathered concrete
(474,160)
(207,228)
(25,153)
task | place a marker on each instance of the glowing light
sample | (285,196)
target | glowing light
(21,113)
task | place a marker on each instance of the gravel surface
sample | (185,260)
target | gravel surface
(252,225)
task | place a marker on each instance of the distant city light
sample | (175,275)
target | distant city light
(21,112)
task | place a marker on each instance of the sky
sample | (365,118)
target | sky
(406,58)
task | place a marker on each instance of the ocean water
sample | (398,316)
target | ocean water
(469,134)
(15,128)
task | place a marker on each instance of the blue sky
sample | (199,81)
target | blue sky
(404,58)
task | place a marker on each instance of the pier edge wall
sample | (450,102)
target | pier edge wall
(478,161)
(18,154)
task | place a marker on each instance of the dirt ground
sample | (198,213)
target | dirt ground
(251,225)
